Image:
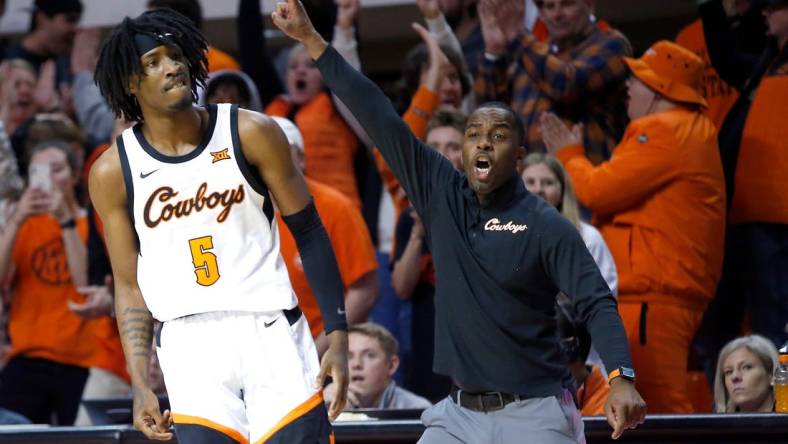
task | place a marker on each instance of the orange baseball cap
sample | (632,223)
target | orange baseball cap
(672,70)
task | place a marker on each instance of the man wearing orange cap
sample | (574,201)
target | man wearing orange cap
(660,205)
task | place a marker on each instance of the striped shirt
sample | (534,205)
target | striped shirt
(583,82)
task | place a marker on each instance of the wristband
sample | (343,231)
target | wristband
(622,372)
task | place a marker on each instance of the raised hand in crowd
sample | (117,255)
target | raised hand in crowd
(501,22)
(347,12)
(438,62)
(34,201)
(430,9)
(557,135)
(45,95)
(98,300)
(84,53)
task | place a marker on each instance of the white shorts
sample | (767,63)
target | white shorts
(246,375)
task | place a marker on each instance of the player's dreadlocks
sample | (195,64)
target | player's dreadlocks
(119,58)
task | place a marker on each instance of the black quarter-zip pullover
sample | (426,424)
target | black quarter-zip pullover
(498,266)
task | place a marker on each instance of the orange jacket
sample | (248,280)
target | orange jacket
(660,205)
(40,324)
(592,395)
(760,192)
(329,144)
(349,238)
(219,60)
(422,105)
(719,96)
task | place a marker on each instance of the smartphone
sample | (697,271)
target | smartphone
(40,177)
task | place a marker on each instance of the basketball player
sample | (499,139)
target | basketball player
(190,230)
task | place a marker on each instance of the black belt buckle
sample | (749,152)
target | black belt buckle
(497,401)
(481,402)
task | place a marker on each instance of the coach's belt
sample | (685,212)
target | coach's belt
(482,402)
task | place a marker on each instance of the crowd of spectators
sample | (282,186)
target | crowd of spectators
(669,166)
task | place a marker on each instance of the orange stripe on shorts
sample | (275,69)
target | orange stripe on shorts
(294,414)
(195,420)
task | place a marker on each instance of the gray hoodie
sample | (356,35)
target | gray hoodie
(255,104)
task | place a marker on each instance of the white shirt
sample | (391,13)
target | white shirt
(208,239)
(601,254)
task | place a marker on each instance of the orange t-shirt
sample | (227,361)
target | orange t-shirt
(349,238)
(329,144)
(218,60)
(719,95)
(40,324)
(592,395)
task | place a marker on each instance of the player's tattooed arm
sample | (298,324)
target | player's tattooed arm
(135,322)
(136,328)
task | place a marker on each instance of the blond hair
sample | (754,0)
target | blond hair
(20,64)
(761,347)
(378,332)
(568,205)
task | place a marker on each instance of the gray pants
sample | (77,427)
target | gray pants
(547,420)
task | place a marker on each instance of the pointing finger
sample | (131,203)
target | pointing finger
(614,421)
(340,378)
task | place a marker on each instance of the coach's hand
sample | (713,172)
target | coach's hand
(334,364)
(625,409)
(291,18)
(148,418)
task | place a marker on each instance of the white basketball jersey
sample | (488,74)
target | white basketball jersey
(208,239)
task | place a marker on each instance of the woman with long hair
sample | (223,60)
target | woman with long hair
(545,176)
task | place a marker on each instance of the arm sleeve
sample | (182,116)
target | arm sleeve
(443,34)
(571,267)
(633,173)
(320,265)
(253,53)
(345,44)
(417,167)
(422,106)
(93,114)
(597,67)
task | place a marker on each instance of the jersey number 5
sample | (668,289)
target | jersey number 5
(206,266)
